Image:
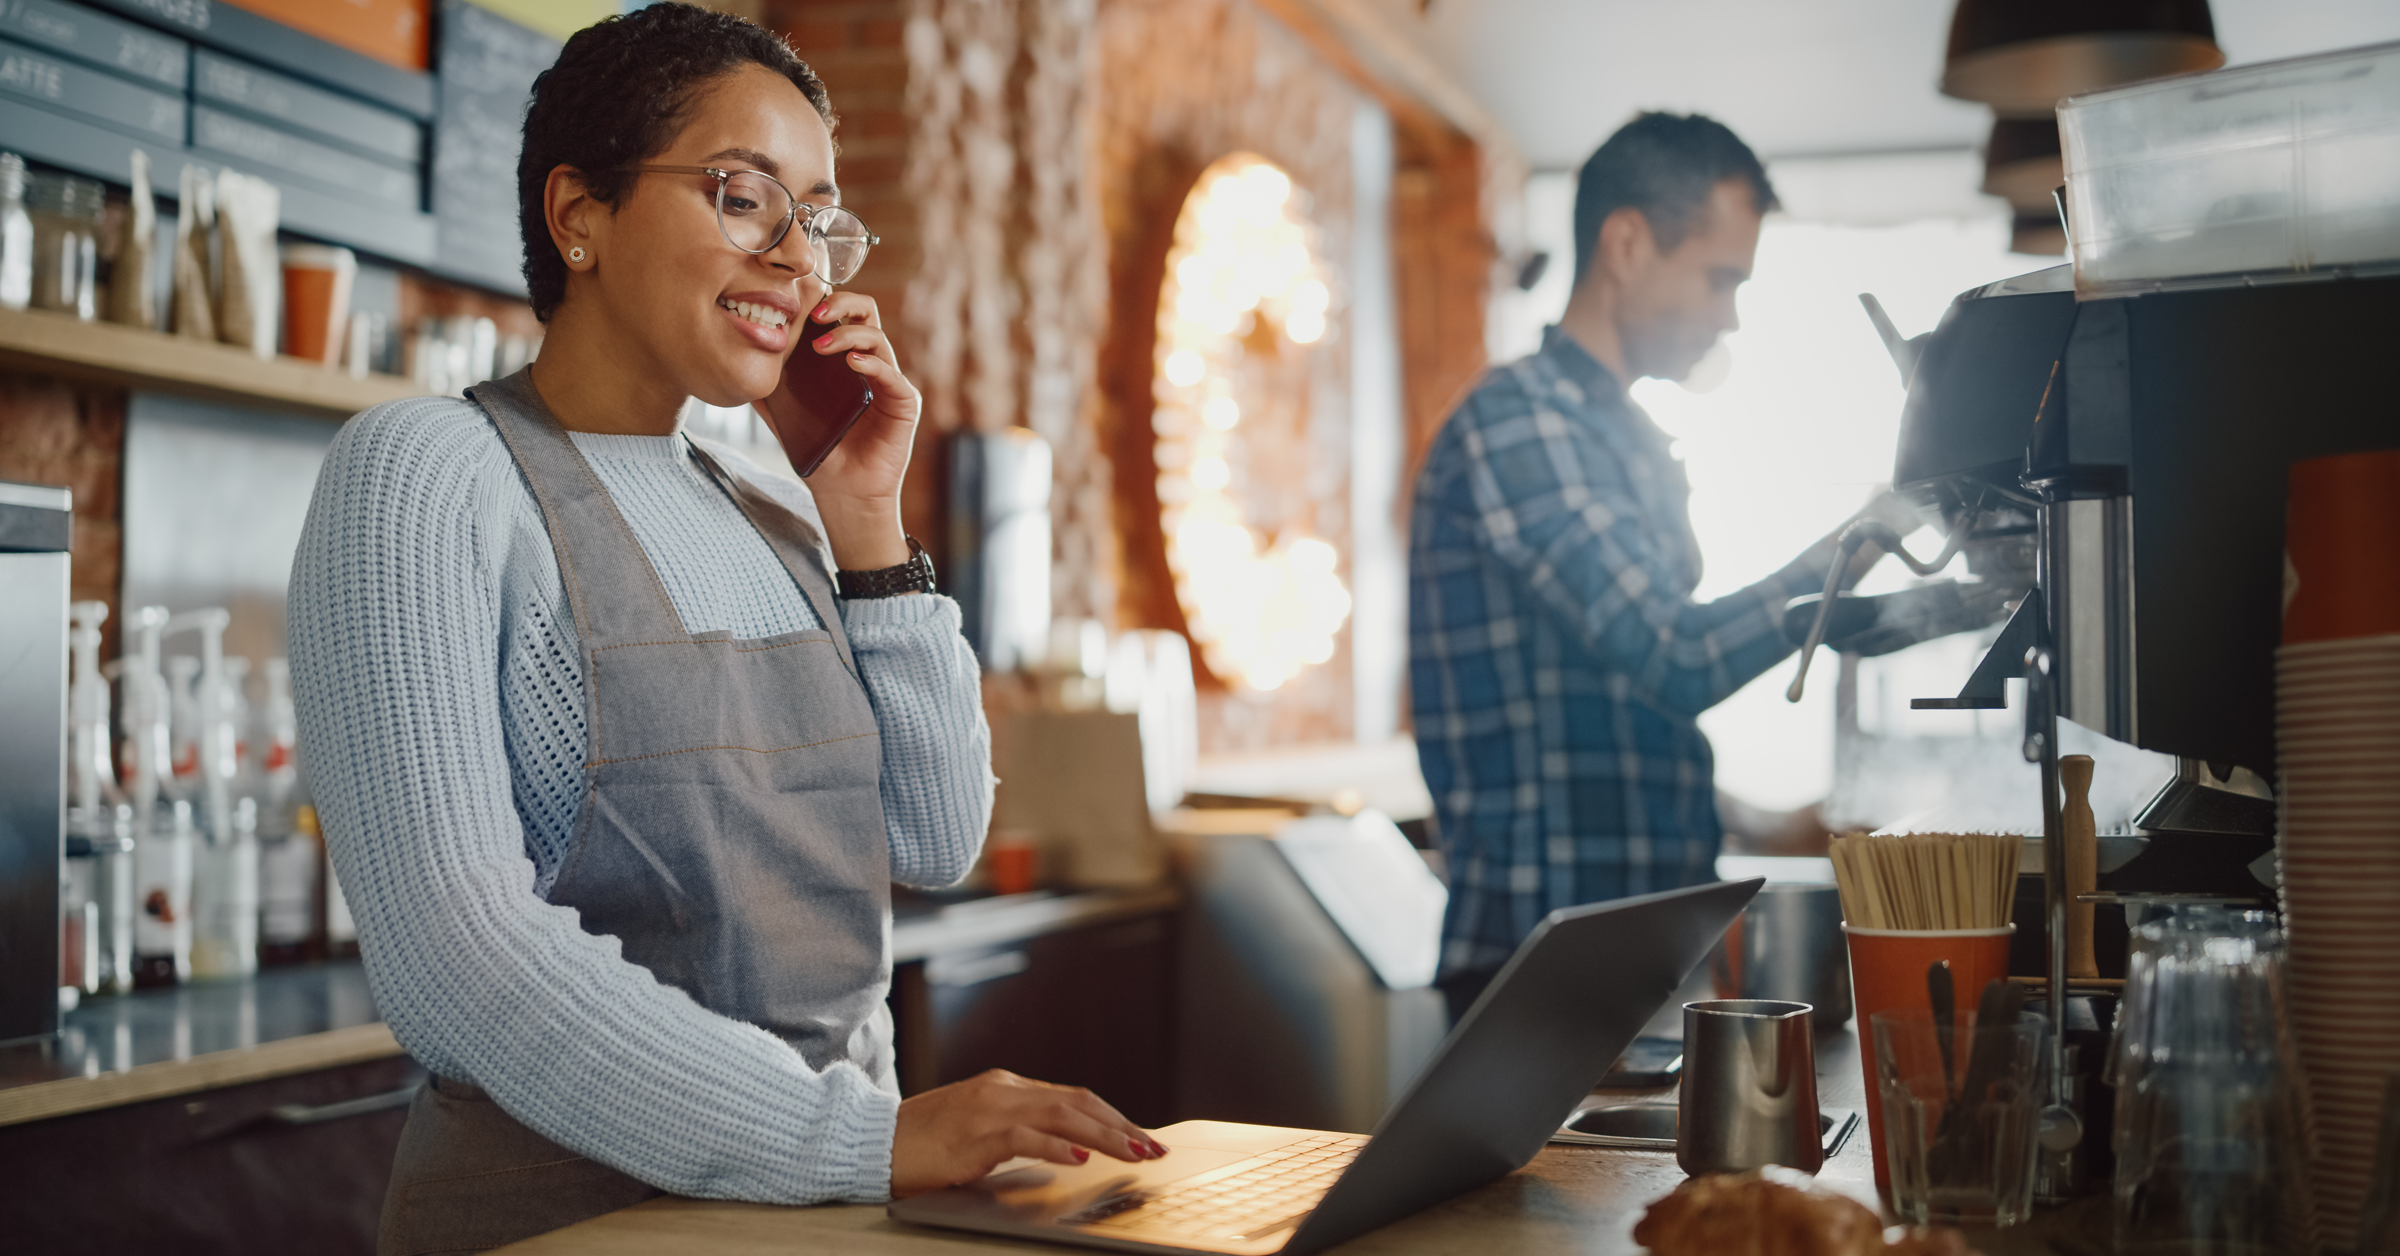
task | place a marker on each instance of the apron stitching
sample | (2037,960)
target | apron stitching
(411,1188)
(737,648)
(750,749)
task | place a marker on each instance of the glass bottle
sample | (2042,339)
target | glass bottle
(16,235)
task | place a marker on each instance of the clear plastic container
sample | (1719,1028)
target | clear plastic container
(2287,166)
(65,214)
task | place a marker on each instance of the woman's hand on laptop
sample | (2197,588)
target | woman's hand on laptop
(961,1131)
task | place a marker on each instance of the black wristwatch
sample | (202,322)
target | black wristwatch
(913,576)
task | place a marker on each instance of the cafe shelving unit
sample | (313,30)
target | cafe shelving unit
(40,342)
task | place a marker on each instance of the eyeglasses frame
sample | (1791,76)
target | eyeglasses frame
(724,176)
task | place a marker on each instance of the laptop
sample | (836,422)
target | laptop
(1547,1028)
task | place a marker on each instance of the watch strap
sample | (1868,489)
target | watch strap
(913,576)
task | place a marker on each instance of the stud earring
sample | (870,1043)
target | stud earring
(575,254)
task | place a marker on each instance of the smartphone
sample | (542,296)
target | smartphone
(831,398)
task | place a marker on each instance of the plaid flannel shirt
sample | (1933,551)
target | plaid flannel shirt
(1557,661)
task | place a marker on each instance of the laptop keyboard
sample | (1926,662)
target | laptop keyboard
(1246,1200)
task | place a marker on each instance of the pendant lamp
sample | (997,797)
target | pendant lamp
(2021,56)
(2022,164)
(2042,235)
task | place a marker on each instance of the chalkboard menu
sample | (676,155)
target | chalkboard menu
(484,66)
(97,38)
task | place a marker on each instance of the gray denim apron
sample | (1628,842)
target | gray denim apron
(730,835)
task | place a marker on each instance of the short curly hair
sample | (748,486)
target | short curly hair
(619,92)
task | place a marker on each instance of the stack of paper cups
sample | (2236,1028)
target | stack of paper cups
(2337,729)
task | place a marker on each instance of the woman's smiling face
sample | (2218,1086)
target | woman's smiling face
(717,320)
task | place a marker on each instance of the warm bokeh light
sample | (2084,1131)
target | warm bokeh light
(1260,606)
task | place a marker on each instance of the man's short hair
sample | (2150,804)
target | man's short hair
(1664,165)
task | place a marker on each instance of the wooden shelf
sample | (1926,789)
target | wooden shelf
(43,1100)
(46,343)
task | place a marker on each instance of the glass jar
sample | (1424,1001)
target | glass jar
(16,235)
(65,212)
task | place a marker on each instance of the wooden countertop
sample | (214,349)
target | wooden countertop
(1582,1200)
(157,1043)
(918,932)
(306,1054)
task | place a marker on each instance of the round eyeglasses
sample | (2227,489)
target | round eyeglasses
(755,212)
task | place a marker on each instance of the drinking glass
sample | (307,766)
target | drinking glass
(1961,1137)
(2210,1121)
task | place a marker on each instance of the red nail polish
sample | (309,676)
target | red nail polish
(1157,1149)
(1081,1155)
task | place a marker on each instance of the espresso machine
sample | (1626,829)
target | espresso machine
(2136,445)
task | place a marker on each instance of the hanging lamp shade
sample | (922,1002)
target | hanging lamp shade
(2042,235)
(2022,164)
(2021,56)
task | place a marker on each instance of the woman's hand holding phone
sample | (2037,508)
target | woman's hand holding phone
(857,483)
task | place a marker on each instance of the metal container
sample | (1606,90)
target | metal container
(1792,949)
(1749,1088)
(35,526)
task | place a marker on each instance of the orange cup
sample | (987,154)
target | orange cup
(317,280)
(2341,542)
(1010,863)
(1887,971)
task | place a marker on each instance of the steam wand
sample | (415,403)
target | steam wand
(1860,532)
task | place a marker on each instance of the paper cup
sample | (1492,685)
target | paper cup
(1887,973)
(316,300)
(2341,545)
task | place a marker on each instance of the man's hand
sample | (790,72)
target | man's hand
(1753,830)
(1892,511)
(962,1131)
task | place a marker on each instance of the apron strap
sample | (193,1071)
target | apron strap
(615,596)
(795,541)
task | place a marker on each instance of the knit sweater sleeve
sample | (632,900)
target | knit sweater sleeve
(937,750)
(395,625)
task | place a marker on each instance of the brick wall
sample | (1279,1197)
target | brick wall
(1024,161)
(56,432)
(856,47)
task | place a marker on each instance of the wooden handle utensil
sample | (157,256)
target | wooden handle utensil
(2083,862)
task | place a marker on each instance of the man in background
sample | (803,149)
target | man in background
(1557,661)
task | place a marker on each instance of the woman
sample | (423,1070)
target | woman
(620,742)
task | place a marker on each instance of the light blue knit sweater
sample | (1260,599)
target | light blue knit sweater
(440,694)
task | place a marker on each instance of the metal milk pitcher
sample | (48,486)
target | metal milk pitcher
(1749,1093)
